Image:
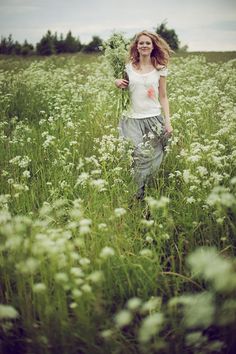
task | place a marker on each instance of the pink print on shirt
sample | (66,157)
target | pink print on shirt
(151,92)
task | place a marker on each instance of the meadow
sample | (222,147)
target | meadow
(83,272)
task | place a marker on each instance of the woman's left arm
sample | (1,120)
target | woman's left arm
(165,103)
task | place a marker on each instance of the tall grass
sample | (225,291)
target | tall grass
(82,271)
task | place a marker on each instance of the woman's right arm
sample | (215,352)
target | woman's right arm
(121,83)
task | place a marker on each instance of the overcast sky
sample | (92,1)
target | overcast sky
(201,24)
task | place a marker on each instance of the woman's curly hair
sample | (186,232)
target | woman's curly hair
(160,54)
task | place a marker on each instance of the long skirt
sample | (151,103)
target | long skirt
(149,140)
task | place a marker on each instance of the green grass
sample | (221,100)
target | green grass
(82,271)
(211,57)
(14,62)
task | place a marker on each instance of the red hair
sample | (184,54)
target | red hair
(160,54)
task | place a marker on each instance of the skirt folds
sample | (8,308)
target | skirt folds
(149,140)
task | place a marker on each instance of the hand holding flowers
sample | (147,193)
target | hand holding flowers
(121,83)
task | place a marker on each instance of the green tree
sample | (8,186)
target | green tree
(169,35)
(27,48)
(17,48)
(59,44)
(7,45)
(46,46)
(94,46)
(72,44)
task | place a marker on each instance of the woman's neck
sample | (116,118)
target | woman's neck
(145,61)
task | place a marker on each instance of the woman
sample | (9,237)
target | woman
(143,124)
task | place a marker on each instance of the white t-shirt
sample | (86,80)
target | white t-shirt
(143,90)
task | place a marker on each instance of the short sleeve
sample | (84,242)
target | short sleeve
(126,72)
(163,71)
(127,68)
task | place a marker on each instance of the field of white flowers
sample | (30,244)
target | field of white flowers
(81,271)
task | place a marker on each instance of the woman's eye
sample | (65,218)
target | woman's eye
(147,43)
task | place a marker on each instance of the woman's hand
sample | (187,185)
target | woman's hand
(121,83)
(168,128)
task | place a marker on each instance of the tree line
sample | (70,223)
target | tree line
(52,44)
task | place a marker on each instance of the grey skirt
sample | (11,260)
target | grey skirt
(149,140)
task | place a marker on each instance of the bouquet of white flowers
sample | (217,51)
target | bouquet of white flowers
(116,54)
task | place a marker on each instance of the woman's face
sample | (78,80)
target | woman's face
(144,45)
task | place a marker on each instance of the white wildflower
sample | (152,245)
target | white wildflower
(202,170)
(123,318)
(107,252)
(84,226)
(77,293)
(77,272)
(190,200)
(73,305)
(82,179)
(61,277)
(220,195)
(84,261)
(193,158)
(107,333)
(149,239)
(50,139)
(233,180)
(39,288)
(4,216)
(26,174)
(157,204)
(153,304)
(28,266)
(150,326)
(134,303)
(96,276)
(146,252)
(99,184)
(96,172)
(102,226)
(86,288)
(165,236)
(187,176)
(8,312)
(147,223)
(119,212)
